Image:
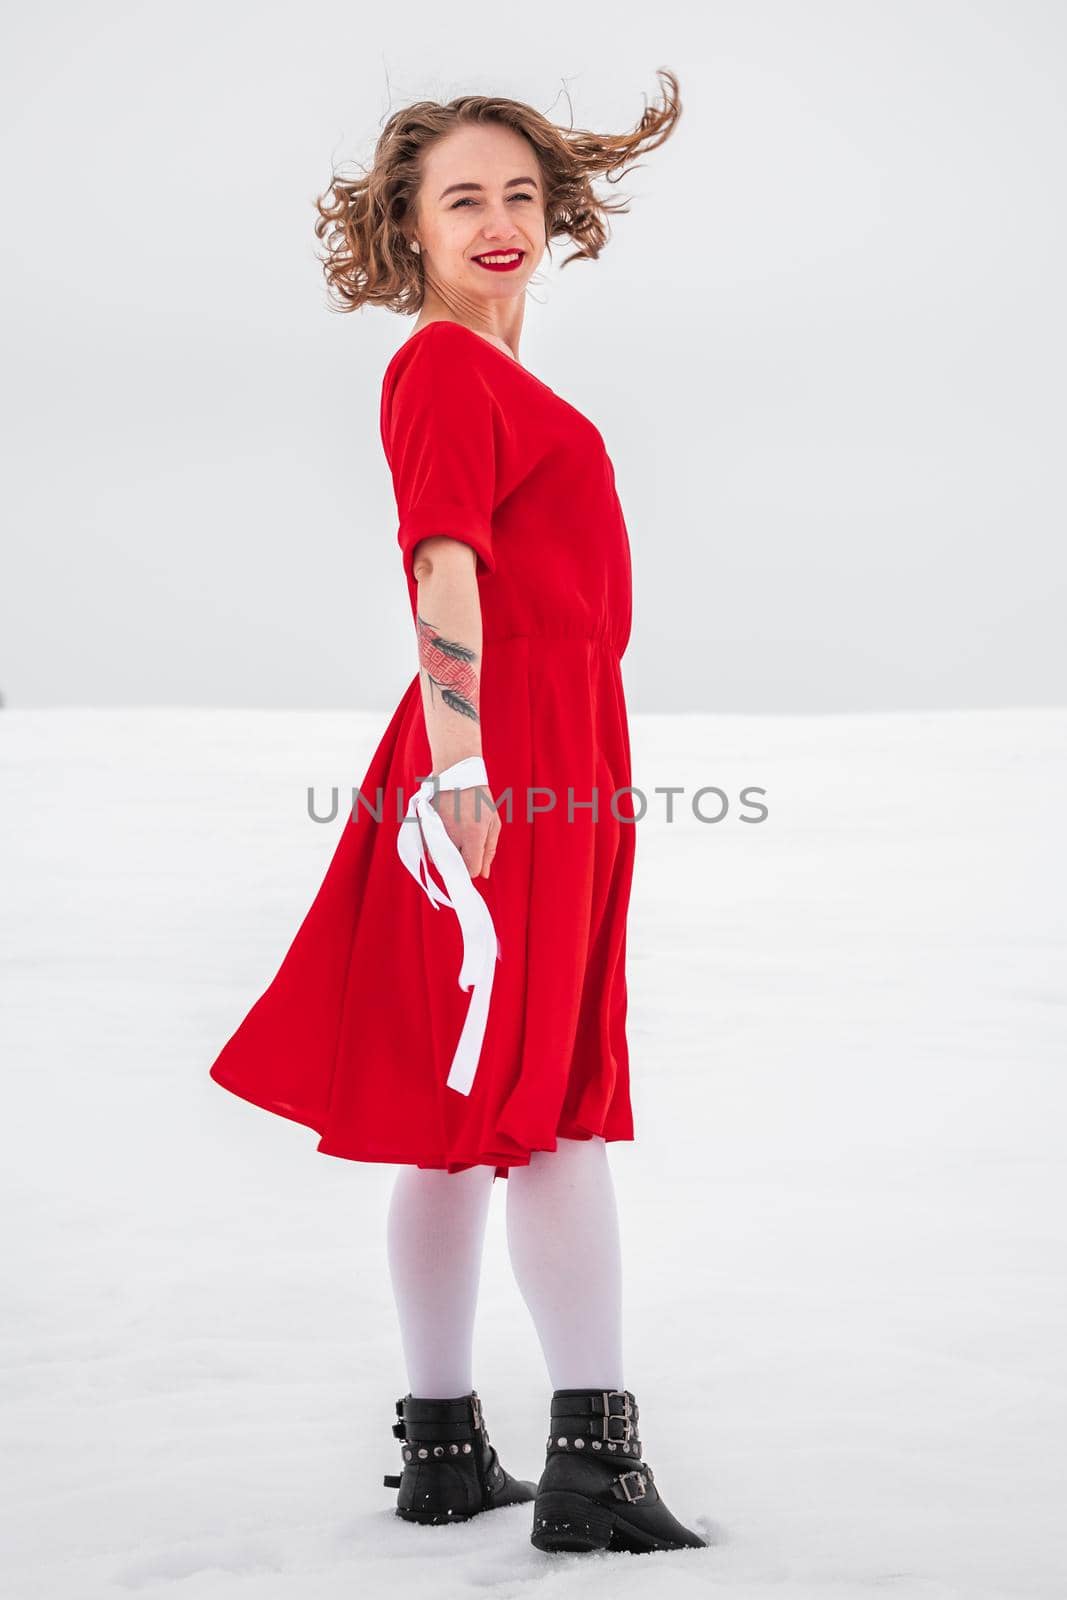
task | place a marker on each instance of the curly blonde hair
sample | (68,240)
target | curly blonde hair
(366,223)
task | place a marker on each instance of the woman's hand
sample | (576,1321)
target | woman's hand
(472,825)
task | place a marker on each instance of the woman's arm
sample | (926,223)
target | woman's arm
(449,622)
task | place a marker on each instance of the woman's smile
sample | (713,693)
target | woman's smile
(500,260)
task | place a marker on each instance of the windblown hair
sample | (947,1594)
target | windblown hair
(367,223)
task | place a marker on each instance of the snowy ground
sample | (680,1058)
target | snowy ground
(844,1214)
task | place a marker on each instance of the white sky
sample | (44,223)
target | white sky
(825,348)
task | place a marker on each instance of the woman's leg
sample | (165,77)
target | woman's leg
(434,1235)
(563,1240)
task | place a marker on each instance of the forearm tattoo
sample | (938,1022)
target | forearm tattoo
(450,667)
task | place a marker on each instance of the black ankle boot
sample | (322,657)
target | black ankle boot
(451,1471)
(596,1493)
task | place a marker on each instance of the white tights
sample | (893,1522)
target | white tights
(563,1241)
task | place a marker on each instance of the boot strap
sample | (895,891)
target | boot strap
(596,1419)
(640,1480)
(601,1423)
(440,1422)
(435,1430)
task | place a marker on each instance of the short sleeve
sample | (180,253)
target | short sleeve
(438,428)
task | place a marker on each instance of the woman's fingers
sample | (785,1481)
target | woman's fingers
(473,827)
(490,845)
(486,850)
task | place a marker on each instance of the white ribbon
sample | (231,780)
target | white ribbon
(423,833)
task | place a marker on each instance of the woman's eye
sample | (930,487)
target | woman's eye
(467,200)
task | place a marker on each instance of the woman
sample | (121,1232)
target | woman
(507,761)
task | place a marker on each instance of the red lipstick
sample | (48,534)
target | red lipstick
(513,259)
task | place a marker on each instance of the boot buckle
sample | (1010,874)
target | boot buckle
(642,1482)
(625,1417)
(476,1413)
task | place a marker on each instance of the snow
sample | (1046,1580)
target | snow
(843,1214)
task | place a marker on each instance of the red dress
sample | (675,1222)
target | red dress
(355,1033)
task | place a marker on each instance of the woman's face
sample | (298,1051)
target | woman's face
(481,194)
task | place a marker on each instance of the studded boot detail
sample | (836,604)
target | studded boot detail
(596,1492)
(451,1471)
